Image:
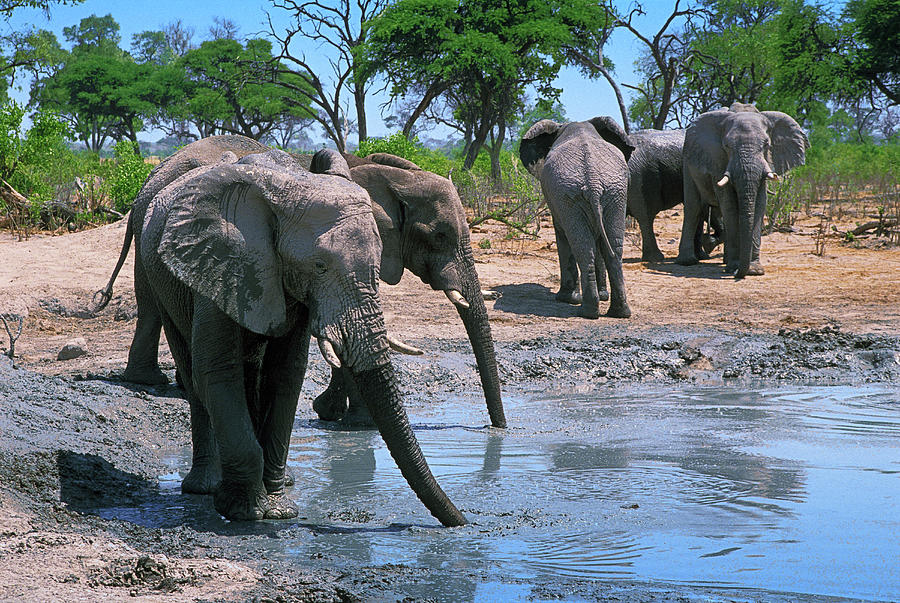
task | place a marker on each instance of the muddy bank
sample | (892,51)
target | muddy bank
(72,445)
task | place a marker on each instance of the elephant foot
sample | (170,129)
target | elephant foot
(145,375)
(685,260)
(603,295)
(755,269)
(589,311)
(569,297)
(280,507)
(730,268)
(652,256)
(331,405)
(619,311)
(703,255)
(240,501)
(201,479)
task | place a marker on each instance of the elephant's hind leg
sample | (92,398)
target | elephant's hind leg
(143,362)
(568,268)
(611,250)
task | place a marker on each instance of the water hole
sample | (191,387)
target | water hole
(789,490)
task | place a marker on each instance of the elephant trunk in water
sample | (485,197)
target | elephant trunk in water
(379,388)
(475,319)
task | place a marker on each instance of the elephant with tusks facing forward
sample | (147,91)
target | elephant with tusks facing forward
(245,261)
(729,155)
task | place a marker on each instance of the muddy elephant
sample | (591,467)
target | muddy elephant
(423,228)
(244,262)
(729,154)
(584,178)
(656,183)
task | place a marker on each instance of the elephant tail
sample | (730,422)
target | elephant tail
(103,296)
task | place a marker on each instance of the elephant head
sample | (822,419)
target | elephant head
(738,149)
(423,228)
(279,251)
(540,137)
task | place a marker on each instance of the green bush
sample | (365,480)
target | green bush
(128,175)
(397,144)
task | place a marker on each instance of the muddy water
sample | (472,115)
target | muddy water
(781,490)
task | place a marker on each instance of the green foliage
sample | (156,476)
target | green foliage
(413,150)
(876,25)
(8,6)
(11,115)
(128,176)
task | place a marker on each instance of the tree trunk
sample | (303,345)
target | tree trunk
(619,98)
(359,96)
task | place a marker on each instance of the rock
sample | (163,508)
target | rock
(73,349)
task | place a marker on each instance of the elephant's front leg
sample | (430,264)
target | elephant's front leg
(218,376)
(568,268)
(283,370)
(759,214)
(728,203)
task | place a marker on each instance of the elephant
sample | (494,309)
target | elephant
(423,228)
(655,184)
(245,261)
(584,178)
(728,156)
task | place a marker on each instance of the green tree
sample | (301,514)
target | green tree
(480,55)
(876,25)
(236,89)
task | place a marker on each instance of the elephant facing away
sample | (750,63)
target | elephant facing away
(584,178)
(729,154)
(244,262)
(423,228)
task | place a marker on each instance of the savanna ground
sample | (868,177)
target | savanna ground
(71,433)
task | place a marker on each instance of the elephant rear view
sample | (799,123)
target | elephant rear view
(584,178)
(729,154)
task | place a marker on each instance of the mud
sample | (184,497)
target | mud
(90,508)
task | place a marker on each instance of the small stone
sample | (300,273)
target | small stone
(73,349)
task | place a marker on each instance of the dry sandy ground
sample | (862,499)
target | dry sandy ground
(53,277)
(854,288)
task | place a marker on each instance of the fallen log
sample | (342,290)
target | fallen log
(875,225)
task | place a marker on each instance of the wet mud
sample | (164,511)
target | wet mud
(640,464)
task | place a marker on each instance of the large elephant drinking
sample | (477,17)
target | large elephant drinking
(244,261)
(421,222)
(729,154)
(584,178)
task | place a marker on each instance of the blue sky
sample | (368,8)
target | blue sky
(582,98)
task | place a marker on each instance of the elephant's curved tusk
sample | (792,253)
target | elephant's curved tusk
(403,347)
(772,176)
(490,294)
(456,297)
(724,180)
(328,353)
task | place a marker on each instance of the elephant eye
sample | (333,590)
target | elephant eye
(321,268)
(441,239)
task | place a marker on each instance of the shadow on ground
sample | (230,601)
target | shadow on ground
(533,299)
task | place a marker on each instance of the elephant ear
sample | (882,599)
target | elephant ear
(613,133)
(392,161)
(536,143)
(789,142)
(218,239)
(329,161)
(703,143)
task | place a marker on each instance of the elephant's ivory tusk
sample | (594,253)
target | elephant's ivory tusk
(457,298)
(403,347)
(723,181)
(772,176)
(489,295)
(328,353)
